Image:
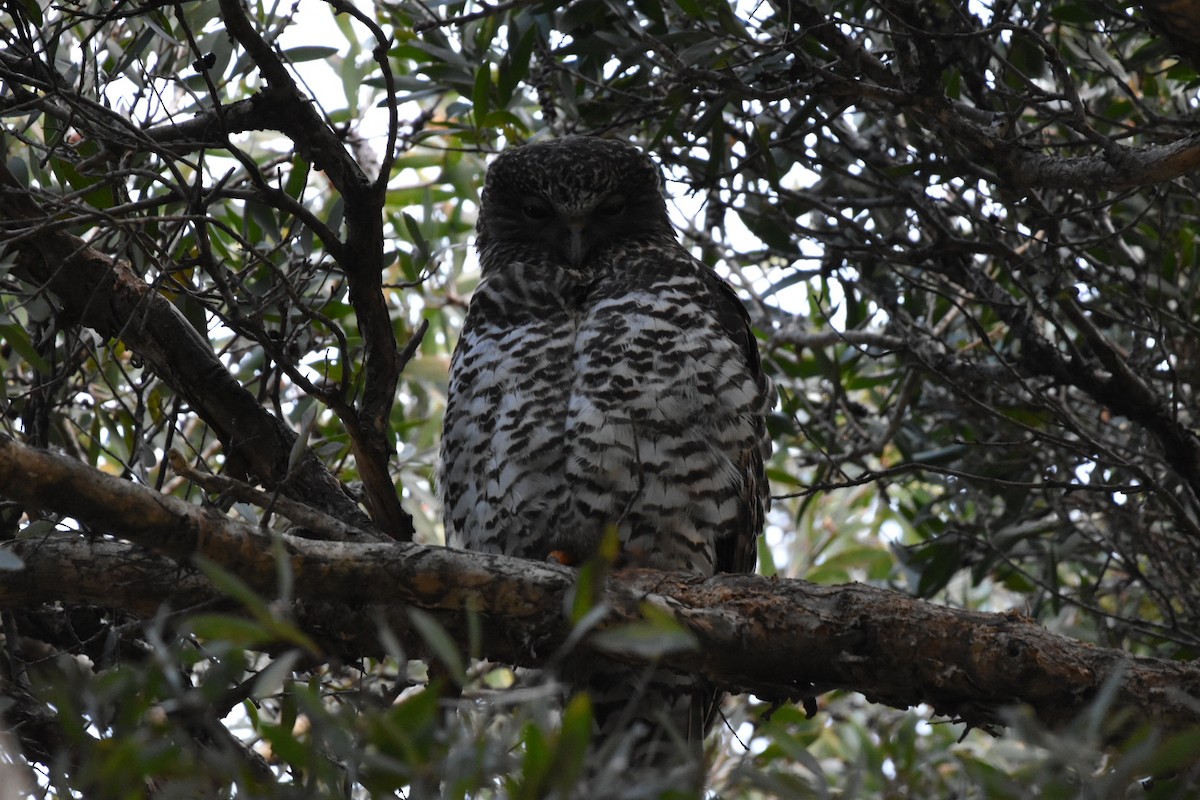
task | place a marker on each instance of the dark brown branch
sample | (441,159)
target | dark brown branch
(72,569)
(1117,169)
(777,638)
(208,129)
(486,10)
(295,115)
(1125,168)
(305,516)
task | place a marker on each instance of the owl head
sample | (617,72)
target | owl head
(572,197)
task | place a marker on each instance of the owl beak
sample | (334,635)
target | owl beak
(577,243)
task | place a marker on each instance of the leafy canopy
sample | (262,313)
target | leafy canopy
(967,234)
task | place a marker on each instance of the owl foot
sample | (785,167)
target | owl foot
(561,557)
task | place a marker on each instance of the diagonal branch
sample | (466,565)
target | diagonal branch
(296,117)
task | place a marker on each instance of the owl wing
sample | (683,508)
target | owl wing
(737,550)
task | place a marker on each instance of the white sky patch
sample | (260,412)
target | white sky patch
(891,531)
(315,26)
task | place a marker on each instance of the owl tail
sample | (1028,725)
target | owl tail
(651,725)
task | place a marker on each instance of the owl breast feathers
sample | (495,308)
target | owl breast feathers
(604,376)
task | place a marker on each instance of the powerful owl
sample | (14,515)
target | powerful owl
(605,379)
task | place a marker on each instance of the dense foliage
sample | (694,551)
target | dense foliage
(967,234)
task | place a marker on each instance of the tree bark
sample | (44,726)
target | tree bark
(780,639)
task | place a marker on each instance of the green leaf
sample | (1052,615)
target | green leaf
(571,749)
(276,629)
(766,559)
(245,633)
(658,634)
(99,196)
(18,339)
(536,765)
(481,91)
(309,52)
(298,177)
(33,10)
(439,641)
(421,256)
(266,222)
(1076,13)
(132,51)
(272,679)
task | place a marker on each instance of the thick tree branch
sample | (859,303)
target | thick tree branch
(1117,169)
(1122,168)
(75,570)
(777,638)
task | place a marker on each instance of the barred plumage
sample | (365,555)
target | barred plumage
(604,377)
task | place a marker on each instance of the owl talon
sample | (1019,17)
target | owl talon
(561,557)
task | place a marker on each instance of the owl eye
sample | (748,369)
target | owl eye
(613,206)
(534,208)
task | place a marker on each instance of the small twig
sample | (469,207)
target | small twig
(410,348)
(485,10)
(311,520)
